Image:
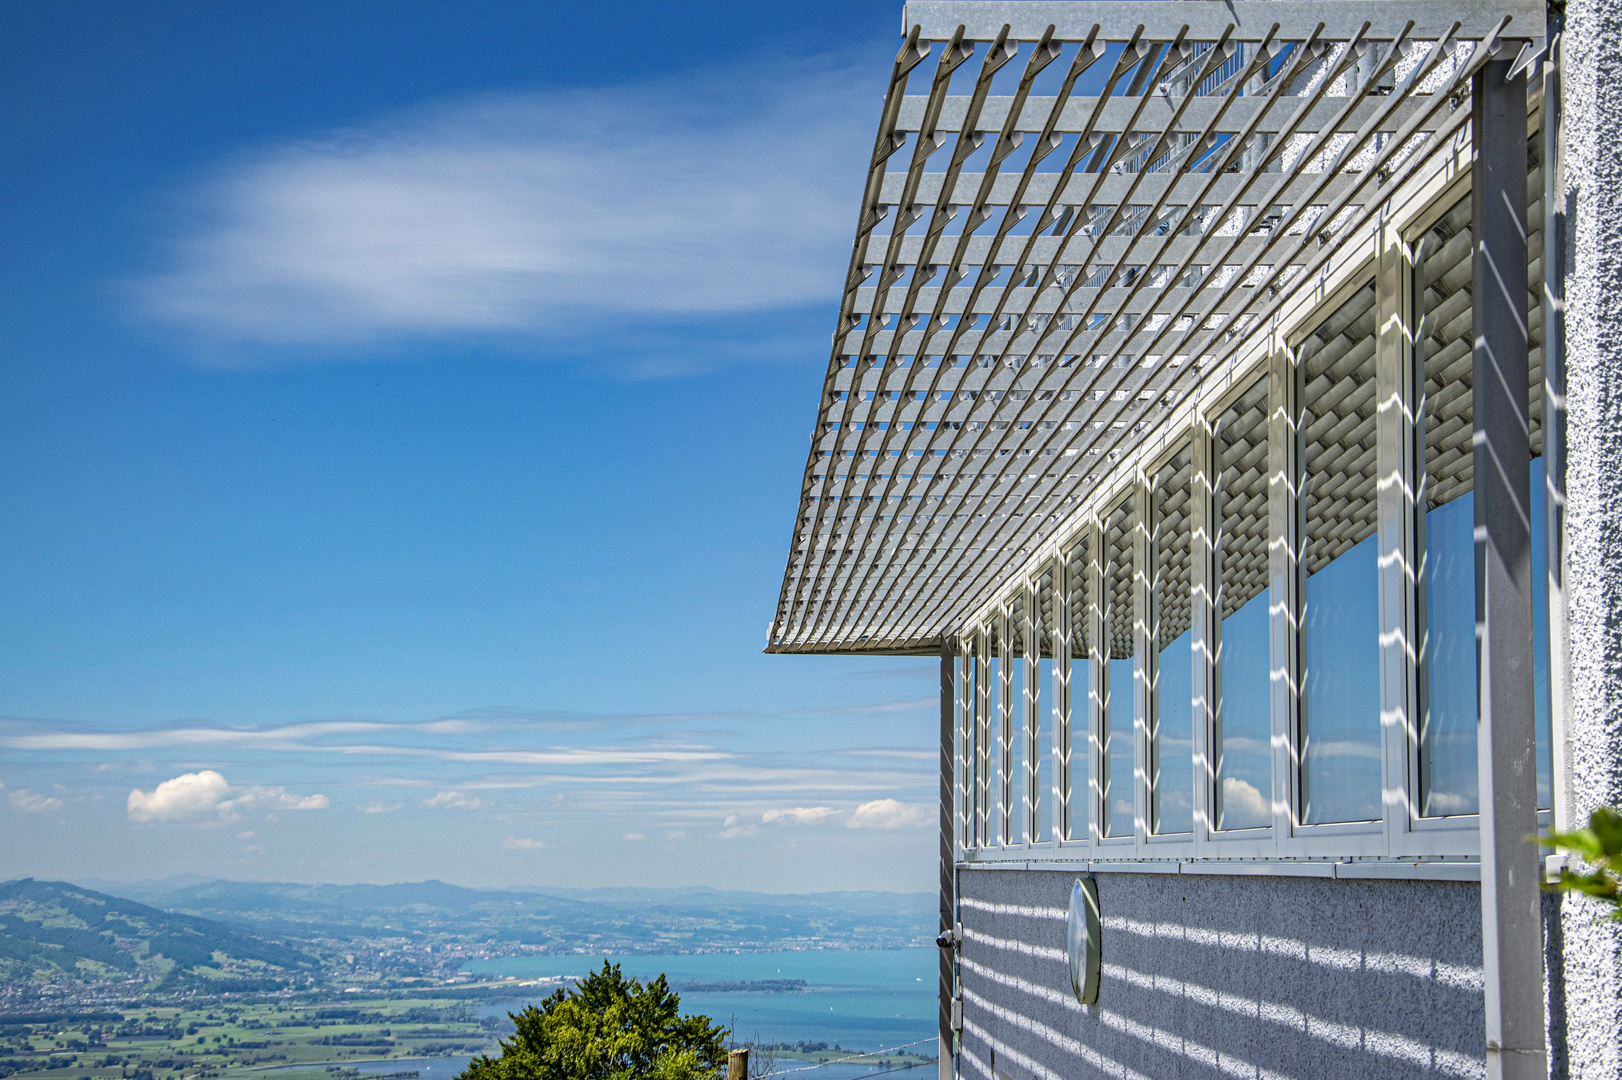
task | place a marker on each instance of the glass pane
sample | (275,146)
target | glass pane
(1448,714)
(1041,743)
(1340,647)
(1447,596)
(1540,638)
(1077,761)
(1120,648)
(1540,584)
(964,740)
(1013,771)
(1171,738)
(1244,725)
(989,759)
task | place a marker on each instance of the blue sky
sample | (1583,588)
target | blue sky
(402,416)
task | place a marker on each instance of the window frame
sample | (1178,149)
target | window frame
(1401,841)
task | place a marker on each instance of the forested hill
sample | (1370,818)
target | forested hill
(52,931)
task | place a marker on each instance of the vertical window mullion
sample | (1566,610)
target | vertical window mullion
(1398,481)
(1202,631)
(1284,588)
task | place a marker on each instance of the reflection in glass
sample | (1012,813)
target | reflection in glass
(965,750)
(1340,647)
(1447,597)
(1040,746)
(1013,742)
(1118,706)
(1080,649)
(1448,712)
(1540,637)
(1171,736)
(1244,727)
(989,727)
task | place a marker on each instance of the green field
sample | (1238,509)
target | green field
(237,1041)
(320,1040)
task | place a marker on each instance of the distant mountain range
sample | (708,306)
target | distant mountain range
(51,931)
(194,935)
(564,920)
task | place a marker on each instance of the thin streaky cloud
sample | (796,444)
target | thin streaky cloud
(529,214)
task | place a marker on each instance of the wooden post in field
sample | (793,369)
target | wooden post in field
(738,1064)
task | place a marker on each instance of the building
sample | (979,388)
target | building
(1210,385)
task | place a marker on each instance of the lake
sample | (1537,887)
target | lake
(873,999)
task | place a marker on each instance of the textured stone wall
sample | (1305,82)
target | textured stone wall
(1208,976)
(1592,139)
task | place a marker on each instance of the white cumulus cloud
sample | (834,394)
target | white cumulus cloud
(797,815)
(453,800)
(889,814)
(522,843)
(1244,800)
(33,802)
(207,795)
(722,191)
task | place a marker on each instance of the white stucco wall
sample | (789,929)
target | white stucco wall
(1592,141)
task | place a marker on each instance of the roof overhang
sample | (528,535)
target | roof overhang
(1072,244)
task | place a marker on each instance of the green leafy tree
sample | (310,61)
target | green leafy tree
(607,1028)
(1600,846)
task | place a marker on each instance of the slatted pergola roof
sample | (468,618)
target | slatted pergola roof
(1073,210)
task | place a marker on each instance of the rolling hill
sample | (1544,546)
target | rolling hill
(51,931)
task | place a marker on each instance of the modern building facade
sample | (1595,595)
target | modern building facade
(1228,394)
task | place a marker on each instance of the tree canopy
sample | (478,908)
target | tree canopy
(607,1028)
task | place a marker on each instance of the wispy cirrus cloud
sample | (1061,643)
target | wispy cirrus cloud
(33,802)
(718,192)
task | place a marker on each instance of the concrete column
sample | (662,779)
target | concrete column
(948,905)
(1591,132)
(1512,923)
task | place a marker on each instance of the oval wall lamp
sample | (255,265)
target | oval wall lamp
(1086,936)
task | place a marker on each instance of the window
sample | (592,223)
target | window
(1446,628)
(1171,720)
(1013,724)
(1119,648)
(989,697)
(1243,729)
(1044,724)
(968,680)
(1340,643)
(1073,756)
(1446,608)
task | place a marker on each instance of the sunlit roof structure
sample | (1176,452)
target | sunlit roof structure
(1075,212)
(1198,396)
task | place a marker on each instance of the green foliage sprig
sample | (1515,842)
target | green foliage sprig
(1600,846)
(607,1028)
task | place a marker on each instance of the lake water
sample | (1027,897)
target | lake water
(873,999)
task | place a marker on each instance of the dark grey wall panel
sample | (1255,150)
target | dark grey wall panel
(1207,976)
